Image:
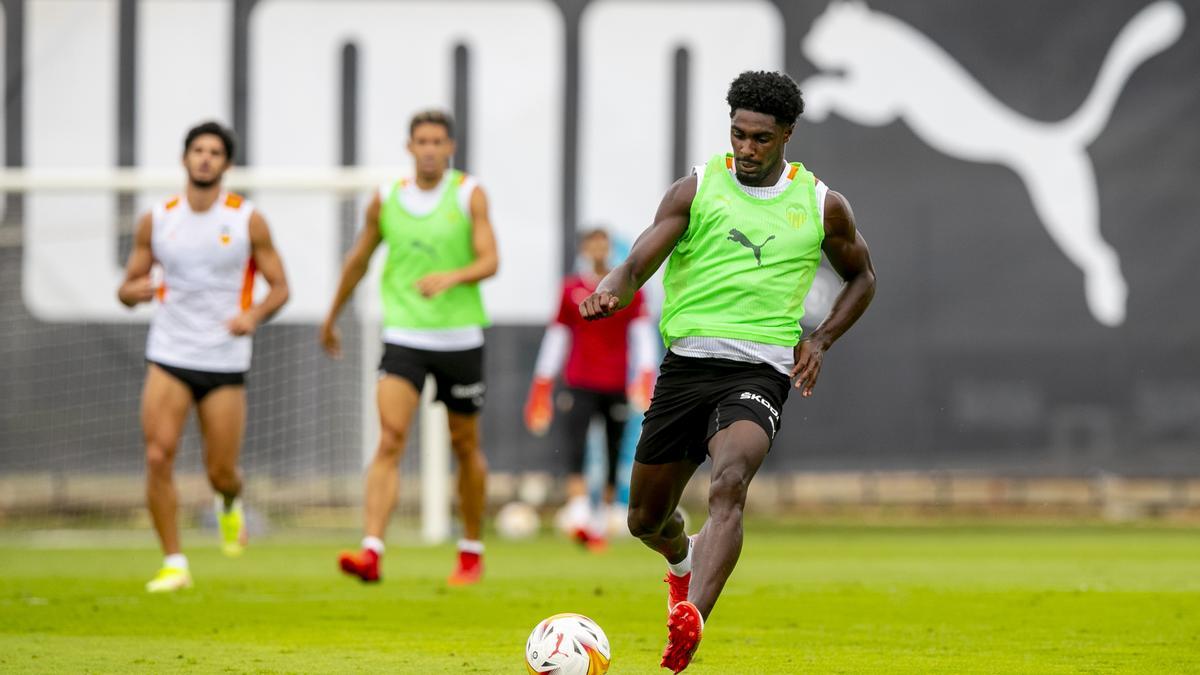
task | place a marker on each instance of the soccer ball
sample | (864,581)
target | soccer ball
(517,520)
(567,644)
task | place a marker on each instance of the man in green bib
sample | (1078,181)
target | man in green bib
(440,245)
(744,234)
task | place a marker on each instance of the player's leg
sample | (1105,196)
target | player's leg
(737,452)
(616,414)
(397,398)
(472,471)
(459,379)
(576,418)
(472,494)
(654,491)
(222,416)
(614,410)
(165,404)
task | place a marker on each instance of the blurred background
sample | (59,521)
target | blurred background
(1025,174)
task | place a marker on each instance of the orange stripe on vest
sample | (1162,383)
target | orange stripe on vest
(248,285)
(233,201)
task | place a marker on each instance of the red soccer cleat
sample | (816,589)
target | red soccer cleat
(677,589)
(469,570)
(592,542)
(684,628)
(363,564)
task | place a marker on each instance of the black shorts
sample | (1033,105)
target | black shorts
(458,375)
(202,382)
(695,398)
(578,408)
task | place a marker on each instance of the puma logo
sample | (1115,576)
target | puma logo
(425,248)
(736,235)
(888,70)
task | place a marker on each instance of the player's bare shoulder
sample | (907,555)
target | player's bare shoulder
(839,218)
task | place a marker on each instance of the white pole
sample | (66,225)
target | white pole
(372,351)
(435,468)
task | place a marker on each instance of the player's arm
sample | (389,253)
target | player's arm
(353,270)
(648,253)
(556,345)
(137,287)
(483,240)
(847,252)
(270,266)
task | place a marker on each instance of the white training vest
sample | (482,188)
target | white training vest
(208,279)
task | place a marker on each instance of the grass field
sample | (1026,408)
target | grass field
(819,599)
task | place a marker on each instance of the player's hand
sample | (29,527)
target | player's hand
(599,305)
(438,282)
(808,354)
(641,390)
(138,290)
(331,339)
(539,409)
(243,324)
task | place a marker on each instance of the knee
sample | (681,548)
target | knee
(223,479)
(391,444)
(727,493)
(643,523)
(159,459)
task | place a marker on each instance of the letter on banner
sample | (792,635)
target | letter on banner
(627,79)
(515,126)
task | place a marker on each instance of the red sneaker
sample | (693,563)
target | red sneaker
(592,542)
(684,628)
(363,564)
(677,589)
(469,570)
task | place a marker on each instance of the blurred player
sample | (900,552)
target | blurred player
(209,243)
(744,233)
(597,367)
(439,247)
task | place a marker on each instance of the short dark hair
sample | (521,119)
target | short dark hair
(766,92)
(432,116)
(228,138)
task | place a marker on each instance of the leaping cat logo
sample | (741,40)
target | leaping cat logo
(892,71)
(736,235)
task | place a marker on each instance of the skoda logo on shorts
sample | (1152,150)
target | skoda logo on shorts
(751,396)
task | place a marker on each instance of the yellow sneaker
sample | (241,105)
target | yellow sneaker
(169,580)
(232,525)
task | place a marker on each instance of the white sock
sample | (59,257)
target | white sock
(373,544)
(683,567)
(598,524)
(176,561)
(579,511)
(470,546)
(234,505)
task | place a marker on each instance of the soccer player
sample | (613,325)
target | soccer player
(440,245)
(744,234)
(210,244)
(597,368)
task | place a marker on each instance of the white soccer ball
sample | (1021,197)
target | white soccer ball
(517,520)
(567,644)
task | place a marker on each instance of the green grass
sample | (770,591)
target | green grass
(831,599)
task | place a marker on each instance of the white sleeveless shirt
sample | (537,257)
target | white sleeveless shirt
(208,279)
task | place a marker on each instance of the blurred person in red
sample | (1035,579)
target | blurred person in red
(596,376)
